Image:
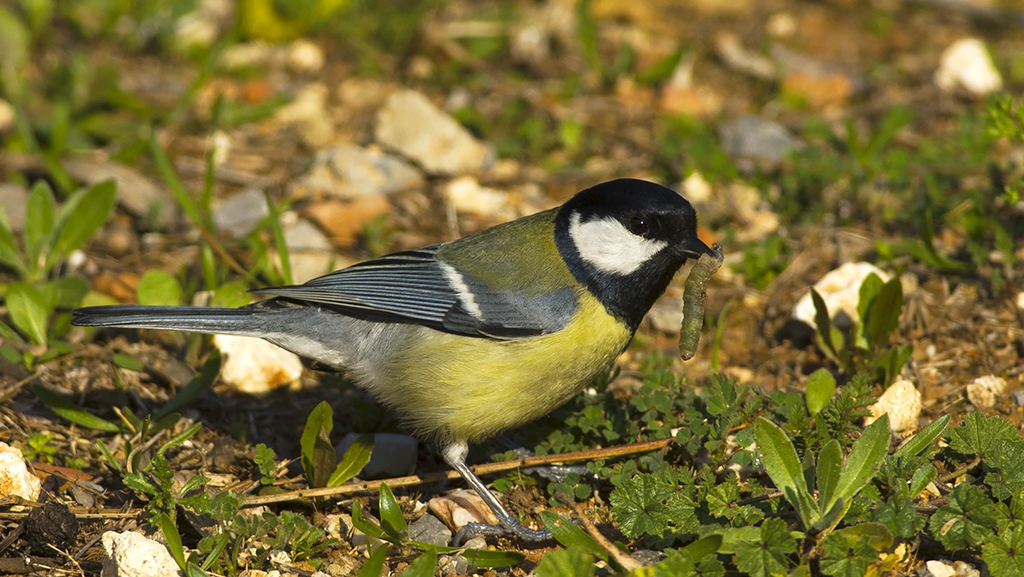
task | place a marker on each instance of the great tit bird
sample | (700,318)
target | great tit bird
(469,338)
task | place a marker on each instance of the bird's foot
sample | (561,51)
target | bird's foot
(509,527)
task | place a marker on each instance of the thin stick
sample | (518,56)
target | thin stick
(370,486)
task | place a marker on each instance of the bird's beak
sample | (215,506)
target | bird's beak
(694,247)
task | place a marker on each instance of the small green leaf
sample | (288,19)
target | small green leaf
(324,460)
(644,505)
(355,458)
(878,535)
(193,570)
(71,412)
(868,291)
(9,253)
(923,439)
(832,515)
(181,437)
(423,566)
(844,557)
(128,362)
(29,311)
(159,288)
(966,520)
(784,467)
(79,221)
(823,320)
(703,547)
(39,223)
(769,554)
(230,295)
(821,385)
(67,292)
(364,525)
(978,434)
(864,459)
(899,514)
(490,558)
(172,537)
(922,477)
(391,518)
(374,566)
(884,313)
(279,242)
(569,535)
(571,562)
(830,465)
(1004,553)
(320,418)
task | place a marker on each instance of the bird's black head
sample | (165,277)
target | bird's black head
(624,240)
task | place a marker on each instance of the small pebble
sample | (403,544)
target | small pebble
(305,56)
(966,65)
(752,138)
(130,554)
(840,289)
(1018,398)
(902,402)
(411,125)
(254,366)
(428,529)
(461,506)
(15,478)
(467,196)
(983,391)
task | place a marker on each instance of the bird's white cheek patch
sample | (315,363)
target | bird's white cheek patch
(607,245)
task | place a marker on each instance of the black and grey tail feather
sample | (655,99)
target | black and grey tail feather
(226,321)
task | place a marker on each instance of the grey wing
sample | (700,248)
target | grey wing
(415,287)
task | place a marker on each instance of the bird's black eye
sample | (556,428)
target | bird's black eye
(638,226)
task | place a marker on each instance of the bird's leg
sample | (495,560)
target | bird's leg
(455,456)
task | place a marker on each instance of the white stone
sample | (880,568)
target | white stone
(349,172)
(15,478)
(902,402)
(308,112)
(1020,300)
(696,188)
(966,65)
(305,56)
(255,366)
(130,554)
(467,196)
(240,213)
(781,25)
(982,391)
(937,568)
(409,124)
(247,55)
(461,506)
(196,29)
(840,289)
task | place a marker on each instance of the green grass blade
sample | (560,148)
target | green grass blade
(864,459)
(783,466)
